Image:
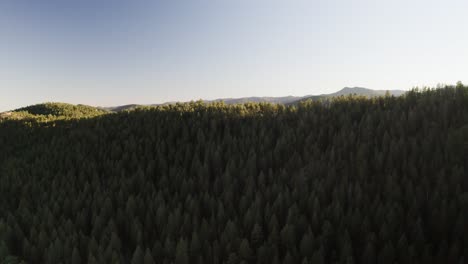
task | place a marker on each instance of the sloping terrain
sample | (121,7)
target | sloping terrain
(286,100)
(51,111)
(354,91)
(357,180)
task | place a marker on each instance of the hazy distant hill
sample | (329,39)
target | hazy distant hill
(121,107)
(71,111)
(277,100)
(352,91)
(366,92)
(64,110)
(229,101)
(282,100)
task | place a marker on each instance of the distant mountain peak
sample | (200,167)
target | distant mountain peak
(356,88)
(365,92)
(286,100)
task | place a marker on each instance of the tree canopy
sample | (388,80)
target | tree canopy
(347,180)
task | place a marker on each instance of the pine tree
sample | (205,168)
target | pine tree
(75,258)
(137,256)
(244,250)
(181,253)
(148,258)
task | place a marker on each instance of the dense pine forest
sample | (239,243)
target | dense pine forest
(343,180)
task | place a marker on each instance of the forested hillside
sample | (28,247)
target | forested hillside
(350,180)
(61,110)
(286,100)
(47,112)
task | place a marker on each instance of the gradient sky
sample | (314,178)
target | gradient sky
(113,52)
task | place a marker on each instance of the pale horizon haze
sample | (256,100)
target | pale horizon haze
(108,53)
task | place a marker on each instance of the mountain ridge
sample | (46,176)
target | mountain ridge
(287,100)
(68,110)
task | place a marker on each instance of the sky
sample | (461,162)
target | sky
(115,52)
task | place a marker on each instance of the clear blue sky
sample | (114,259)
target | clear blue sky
(112,52)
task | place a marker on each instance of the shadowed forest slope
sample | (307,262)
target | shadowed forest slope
(352,180)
